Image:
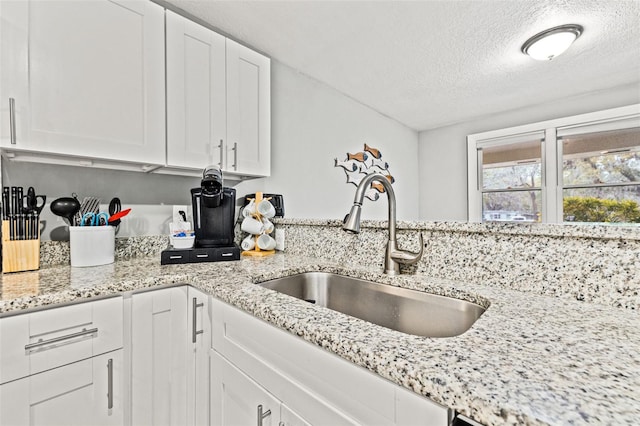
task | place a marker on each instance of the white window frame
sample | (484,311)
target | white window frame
(551,187)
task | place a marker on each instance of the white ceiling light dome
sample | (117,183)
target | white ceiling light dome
(550,43)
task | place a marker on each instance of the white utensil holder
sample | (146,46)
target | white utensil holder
(92,245)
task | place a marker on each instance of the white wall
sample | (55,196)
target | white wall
(311,125)
(442,152)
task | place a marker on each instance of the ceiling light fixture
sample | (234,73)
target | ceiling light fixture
(550,43)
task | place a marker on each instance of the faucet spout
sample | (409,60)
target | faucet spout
(393,256)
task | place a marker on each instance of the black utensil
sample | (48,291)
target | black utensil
(6,206)
(66,207)
(115,206)
(19,198)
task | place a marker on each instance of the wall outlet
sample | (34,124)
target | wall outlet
(279,239)
(177,217)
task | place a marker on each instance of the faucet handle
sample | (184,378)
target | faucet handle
(408,257)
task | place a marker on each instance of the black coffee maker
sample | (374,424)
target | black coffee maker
(213,224)
(213,210)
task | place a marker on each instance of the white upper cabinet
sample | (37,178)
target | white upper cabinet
(83,82)
(218,102)
(196,97)
(86,79)
(248,111)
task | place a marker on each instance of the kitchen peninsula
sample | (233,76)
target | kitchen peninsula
(531,358)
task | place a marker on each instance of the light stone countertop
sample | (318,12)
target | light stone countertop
(529,359)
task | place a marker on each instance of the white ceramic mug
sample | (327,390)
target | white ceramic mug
(266,209)
(248,243)
(249,209)
(268,226)
(252,226)
(266,242)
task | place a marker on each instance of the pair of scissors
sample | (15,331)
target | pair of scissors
(94,219)
(115,206)
(31,200)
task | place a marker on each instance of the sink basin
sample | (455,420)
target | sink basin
(409,311)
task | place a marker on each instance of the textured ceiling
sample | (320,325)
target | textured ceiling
(431,63)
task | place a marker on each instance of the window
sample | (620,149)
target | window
(577,169)
(511,181)
(601,176)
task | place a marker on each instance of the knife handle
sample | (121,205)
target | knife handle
(6,196)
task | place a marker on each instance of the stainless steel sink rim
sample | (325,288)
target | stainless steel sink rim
(397,308)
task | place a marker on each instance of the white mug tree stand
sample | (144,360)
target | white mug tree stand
(256,251)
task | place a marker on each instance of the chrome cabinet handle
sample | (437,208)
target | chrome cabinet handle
(40,343)
(261,415)
(195,332)
(12,120)
(220,147)
(235,156)
(110,383)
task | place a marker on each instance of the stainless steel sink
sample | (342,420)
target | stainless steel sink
(409,311)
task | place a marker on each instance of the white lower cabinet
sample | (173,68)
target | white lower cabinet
(63,366)
(87,392)
(185,359)
(238,400)
(159,339)
(289,418)
(318,386)
(199,316)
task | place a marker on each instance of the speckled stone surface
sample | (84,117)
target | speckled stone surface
(529,359)
(594,263)
(58,253)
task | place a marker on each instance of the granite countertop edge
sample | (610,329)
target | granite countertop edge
(495,373)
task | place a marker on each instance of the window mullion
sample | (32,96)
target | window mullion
(551,203)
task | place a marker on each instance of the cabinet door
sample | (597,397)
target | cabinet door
(87,392)
(87,78)
(289,418)
(196,98)
(158,357)
(248,111)
(199,317)
(236,399)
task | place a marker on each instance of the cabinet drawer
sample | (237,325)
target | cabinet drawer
(39,341)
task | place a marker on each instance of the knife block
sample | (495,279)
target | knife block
(19,255)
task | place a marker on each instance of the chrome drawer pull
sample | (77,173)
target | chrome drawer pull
(41,342)
(195,332)
(261,415)
(221,153)
(110,383)
(235,156)
(12,120)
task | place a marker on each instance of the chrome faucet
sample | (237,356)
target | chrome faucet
(393,256)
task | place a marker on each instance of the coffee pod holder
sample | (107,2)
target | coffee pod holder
(256,251)
(19,255)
